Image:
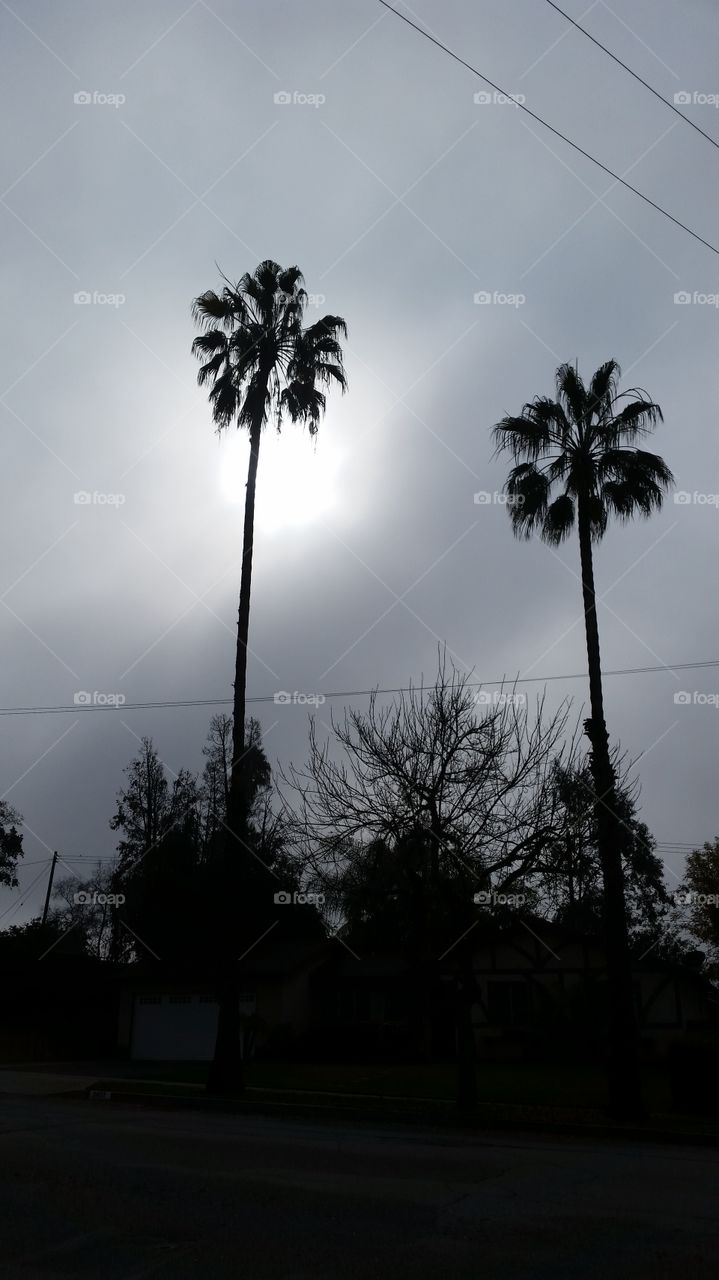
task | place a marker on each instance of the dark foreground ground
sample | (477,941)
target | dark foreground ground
(96,1190)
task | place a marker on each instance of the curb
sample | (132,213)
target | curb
(485,1122)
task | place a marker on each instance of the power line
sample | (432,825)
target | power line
(304,699)
(125,706)
(662,847)
(557,132)
(15,906)
(635,74)
(676,844)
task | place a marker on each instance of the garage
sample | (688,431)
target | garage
(180,1027)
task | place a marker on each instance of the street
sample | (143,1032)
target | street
(98,1190)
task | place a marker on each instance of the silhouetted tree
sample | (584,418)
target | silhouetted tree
(26,944)
(216,781)
(576,462)
(159,857)
(260,362)
(144,809)
(264,825)
(84,906)
(568,879)
(171,868)
(698,898)
(427,803)
(10,844)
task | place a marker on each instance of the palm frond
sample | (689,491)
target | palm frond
(531,434)
(571,393)
(638,485)
(207,344)
(290,280)
(212,368)
(602,390)
(261,358)
(559,520)
(333,326)
(527,492)
(210,307)
(582,444)
(304,403)
(635,420)
(224,399)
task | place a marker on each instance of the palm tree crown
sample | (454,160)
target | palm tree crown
(580,450)
(257,355)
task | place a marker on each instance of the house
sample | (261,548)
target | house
(170,1013)
(541,977)
(540,988)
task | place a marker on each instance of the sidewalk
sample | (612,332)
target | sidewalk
(304,1104)
(39,1083)
(102,1082)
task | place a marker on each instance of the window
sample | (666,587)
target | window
(207,999)
(180,999)
(149,1000)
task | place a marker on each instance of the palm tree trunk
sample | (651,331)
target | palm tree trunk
(243,627)
(624,1083)
(226,1074)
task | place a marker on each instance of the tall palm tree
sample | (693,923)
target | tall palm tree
(576,463)
(260,361)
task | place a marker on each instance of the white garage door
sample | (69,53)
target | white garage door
(174,1028)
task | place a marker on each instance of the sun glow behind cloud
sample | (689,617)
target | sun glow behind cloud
(297,477)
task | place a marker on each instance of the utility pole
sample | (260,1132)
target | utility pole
(49,888)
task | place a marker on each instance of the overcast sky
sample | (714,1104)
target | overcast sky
(400,198)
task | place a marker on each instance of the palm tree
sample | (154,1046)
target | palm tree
(576,461)
(260,361)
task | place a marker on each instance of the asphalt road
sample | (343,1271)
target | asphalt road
(119,1193)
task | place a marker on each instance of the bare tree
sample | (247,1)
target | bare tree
(89,906)
(458,794)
